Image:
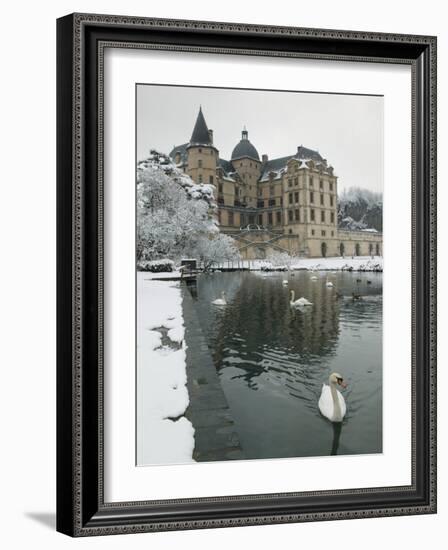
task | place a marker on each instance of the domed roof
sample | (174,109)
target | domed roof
(244,148)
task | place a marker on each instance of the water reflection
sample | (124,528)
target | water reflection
(272,359)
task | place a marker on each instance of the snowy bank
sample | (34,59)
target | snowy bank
(359,263)
(164,435)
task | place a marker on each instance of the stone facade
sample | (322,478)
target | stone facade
(286,204)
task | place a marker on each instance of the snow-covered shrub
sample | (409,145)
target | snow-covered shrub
(156,266)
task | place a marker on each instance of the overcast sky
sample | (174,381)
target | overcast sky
(347,130)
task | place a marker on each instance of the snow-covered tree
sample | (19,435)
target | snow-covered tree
(218,248)
(280,259)
(360,209)
(175,216)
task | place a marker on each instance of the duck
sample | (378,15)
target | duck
(331,402)
(220,301)
(300,302)
(329,284)
(356,296)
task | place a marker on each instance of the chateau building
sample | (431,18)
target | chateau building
(287,204)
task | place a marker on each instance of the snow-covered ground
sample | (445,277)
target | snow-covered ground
(164,435)
(147,275)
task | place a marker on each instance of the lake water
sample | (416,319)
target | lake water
(272,359)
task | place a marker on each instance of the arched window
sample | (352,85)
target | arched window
(377,249)
(323,249)
(357,249)
(341,249)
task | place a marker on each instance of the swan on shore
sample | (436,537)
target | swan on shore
(331,402)
(300,302)
(220,301)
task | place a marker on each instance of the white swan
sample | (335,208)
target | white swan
(300,302)
(329,284)
(220,301)
(285,281)
(314,278)
(331,402)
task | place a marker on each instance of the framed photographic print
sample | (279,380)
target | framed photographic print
(246,274)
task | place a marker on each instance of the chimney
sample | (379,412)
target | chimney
(210,135)
(264,159)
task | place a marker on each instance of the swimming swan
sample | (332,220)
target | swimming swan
(300,302)
(220,301)
(329,284)
(331,402)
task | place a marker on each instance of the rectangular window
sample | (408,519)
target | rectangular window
(321,184)
(297,212)
(323,233)
(260,204)
(260,219)
(296,197)
(311,196)
(290,198)
(199,163)
(312,214)
(200,178)
(289,182)
(220,187)
(278,217)
(296,181)
(322,216)
(311,181)
(331,200)
(332,217)
(210,180)
(290,215)
(230,218)
(331,186)
(271,190)
(270,218)
(321,198)
(312,231)
(271,202)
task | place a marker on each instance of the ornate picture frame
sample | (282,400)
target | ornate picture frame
(81,42)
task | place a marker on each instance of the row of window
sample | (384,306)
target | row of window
(210,180)
(293,216)
(323,233)
(323,216)
(321,198)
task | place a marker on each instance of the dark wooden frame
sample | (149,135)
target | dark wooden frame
(81,38)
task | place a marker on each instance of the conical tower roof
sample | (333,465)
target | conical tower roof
(200,133)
